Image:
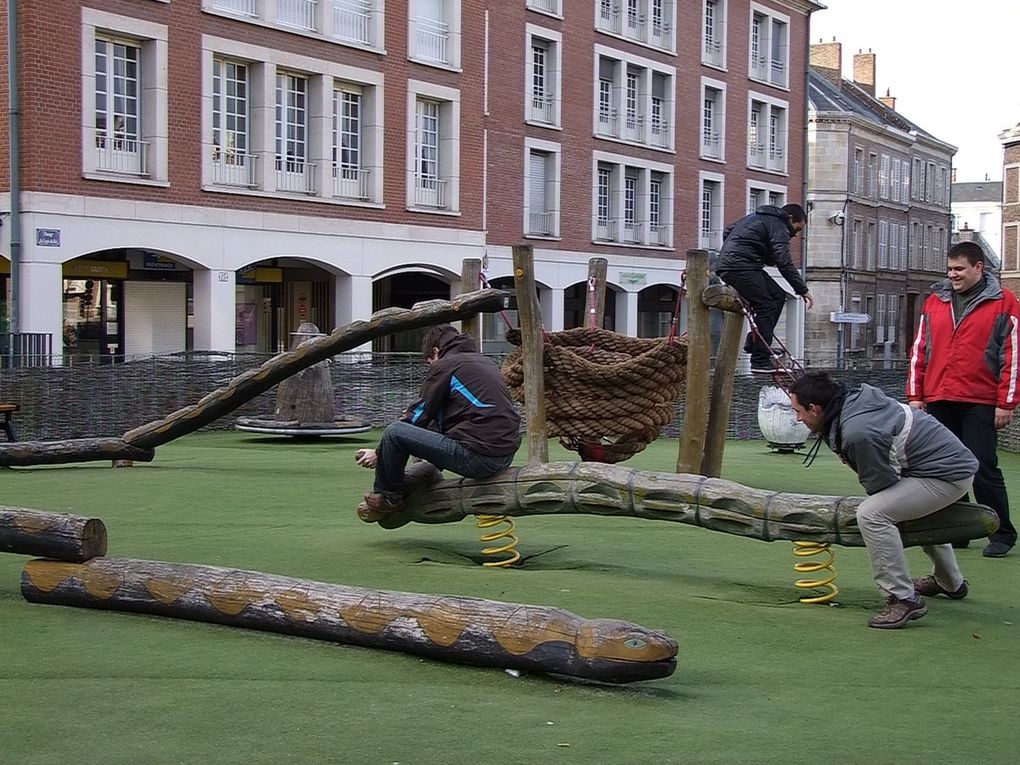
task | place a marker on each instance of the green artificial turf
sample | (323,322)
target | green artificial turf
(760,678)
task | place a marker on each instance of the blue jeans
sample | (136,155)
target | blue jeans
(401,440)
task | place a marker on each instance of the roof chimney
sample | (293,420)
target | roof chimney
(864,72)
(888,100)
(827,60)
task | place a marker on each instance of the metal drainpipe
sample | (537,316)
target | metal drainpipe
(14,118)
(805,234)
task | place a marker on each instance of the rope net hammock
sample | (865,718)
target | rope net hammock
(607,395)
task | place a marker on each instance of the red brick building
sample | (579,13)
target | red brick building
(208,174)
(1011,208)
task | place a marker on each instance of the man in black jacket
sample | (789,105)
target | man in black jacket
(465,421)
(749,245)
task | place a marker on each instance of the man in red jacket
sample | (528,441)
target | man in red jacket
(964,371)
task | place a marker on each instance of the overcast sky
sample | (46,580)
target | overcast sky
(954,67)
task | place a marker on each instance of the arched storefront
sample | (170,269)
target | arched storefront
(274,297)
(403,290)
(656,305)
(574,300)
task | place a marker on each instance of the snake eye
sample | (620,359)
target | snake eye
(636,643)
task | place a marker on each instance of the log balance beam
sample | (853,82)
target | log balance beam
(466,630)
(712,503)
(51,535)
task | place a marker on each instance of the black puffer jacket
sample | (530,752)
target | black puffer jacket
(464,397)
(758,240)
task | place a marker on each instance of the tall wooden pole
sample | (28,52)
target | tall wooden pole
(595,292)
(699,362)
(470,281)
(530,316)
(722,393)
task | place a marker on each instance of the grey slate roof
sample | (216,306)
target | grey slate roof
(977,191)
(824,96)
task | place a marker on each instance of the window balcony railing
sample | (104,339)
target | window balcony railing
(429,191)
(352,20)
(233,169)
(633,128)
(607,124)
(123,156)
(635,26)
(756,155)
(658,234)
(713,52)
(711,146)
(541,224)
(605,230)
(776,158)
(549,6)
(542,108)
(350,182)
(661,34)
(777,73)
(633,232)
(711,239)
(296,13)
(608,19)
(660,134)
(431,38)
(295,175)
(242,7)
(759,68)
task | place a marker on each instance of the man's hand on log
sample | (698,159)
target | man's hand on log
(366,458)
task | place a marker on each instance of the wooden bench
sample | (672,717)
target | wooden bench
(8,410)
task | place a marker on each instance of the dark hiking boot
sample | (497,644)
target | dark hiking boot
(897,613)
(996,549)
(376,506)
(929,587)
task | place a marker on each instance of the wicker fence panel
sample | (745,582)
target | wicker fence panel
(95,400)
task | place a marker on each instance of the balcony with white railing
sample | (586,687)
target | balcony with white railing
(777,73)
(633,232)
(233,169)
(299,14)
(350,183)
(240,7)
(635,26)
(431,40)
(756,154)
(759,68)
(712,52)
(711,145)
(549,6)
(429,191)
(295,175)
(121,156)
(608,19)
(605,230)
(606,126)
(776,159)
(662,35)
(542,108)
(540,223)
(660,134)
(352,21)
(710,240)
(658,235)
(634,128)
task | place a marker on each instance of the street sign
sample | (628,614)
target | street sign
(843,317)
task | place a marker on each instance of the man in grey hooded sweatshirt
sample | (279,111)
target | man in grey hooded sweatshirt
(910,465)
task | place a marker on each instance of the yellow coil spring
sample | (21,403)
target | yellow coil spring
(822,581)
(505,532)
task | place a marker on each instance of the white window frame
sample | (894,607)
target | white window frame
(350,179)
(263,64)
(353,23)
(762,155)
(713,33)
(435,42)
(883,176)
(151,39)
(636,231)
(547,111)
(883,244)
(611,125)
(449,146)
(232,157)
(763,67)
(713,127)
(711,238)
(552,152)
(548,7)
(754,185)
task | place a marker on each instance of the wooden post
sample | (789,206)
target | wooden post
(597,270)
(530,316)
(699,362)
(722,393)
(471,281)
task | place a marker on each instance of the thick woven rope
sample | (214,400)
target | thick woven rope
(607,395)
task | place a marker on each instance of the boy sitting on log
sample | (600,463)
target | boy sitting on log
(464,421)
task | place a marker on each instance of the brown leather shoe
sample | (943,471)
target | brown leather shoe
(897,613)
(928,586)
(376,506)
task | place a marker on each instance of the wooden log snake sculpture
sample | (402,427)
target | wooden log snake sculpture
(466,630)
